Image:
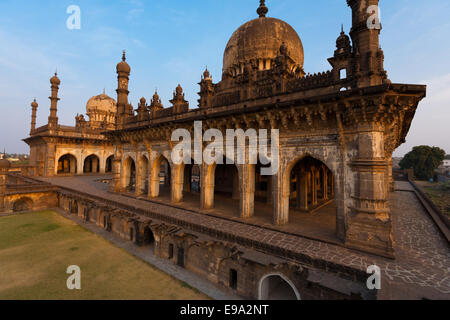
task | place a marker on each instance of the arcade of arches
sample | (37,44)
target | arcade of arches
(240,191)
(69,164)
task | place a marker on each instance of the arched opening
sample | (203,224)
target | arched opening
(309,185)
(143,174)
(74,207)
(109,164)
(226,194)
(191,184)
(277,287)
(161,178)
(67,164)
(22,205)
(149,238)
(164,177)
(129,182)
(91,164)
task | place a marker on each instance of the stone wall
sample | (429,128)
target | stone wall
(245,271)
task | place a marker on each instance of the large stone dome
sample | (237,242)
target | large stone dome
(259,41)
(101,102)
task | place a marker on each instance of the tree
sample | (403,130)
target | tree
(424,160)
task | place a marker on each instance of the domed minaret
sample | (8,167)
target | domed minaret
(53,119)
(34,106)
(123,77)
(206,90)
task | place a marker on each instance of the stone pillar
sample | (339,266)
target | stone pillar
(50,160)
(391,182)
(281,193)
(139,183)
(102,165)
(370,224)
(117,172)
(247,190)
(153,183)
(207,186)
(177,183)
(80,166)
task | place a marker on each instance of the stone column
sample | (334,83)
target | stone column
(370,224)
(117,172)
(138,191)
(391,183)
(207,186)
(50,160)
(80,166)
(247,190)
(177,183)
(281,192)
(102,165)
(153,182)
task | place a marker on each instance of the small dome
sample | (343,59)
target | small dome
(4,164)
(261,39)
(343,41)
(101,102)
(123,66)
(34,104)
(55,80)
(143,100)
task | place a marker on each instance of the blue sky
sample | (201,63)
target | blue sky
(171,42)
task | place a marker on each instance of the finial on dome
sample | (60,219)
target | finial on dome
(262,10)
(124,57)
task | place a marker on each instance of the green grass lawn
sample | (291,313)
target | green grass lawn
(37,248)
(439,193)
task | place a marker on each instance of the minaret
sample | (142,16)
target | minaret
(206,90)
(34,106)
(53,119)
(123,77)
(365,34)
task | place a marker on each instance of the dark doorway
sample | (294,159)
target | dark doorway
(170,251)
(180,257)
(233,279)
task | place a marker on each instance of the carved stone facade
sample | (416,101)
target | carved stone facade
(337,132)
(63,150)
(348,121)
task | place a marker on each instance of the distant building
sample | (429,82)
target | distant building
(57,150)
(445,164)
